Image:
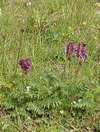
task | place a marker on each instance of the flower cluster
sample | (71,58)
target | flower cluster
(82,52)
(71,49)
(79,50)
(26,64)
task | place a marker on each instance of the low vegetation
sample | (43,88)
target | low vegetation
(49,66)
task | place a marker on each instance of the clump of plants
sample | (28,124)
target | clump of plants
(49,66)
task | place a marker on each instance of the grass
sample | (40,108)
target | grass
(58,100)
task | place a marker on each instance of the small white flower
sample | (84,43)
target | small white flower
(79,100)
(61,112)
(29,3)
(28,88)
(71,103)
(28,118)
(74,102)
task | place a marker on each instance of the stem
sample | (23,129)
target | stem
(19,51)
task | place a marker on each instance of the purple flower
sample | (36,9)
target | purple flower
(71,49)
(75,49)
(26,64)
(82,52)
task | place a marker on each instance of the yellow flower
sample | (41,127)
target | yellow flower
(70,28)
(95,38)
(84,23)
(98,4)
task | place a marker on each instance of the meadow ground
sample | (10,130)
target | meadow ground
(52,90)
